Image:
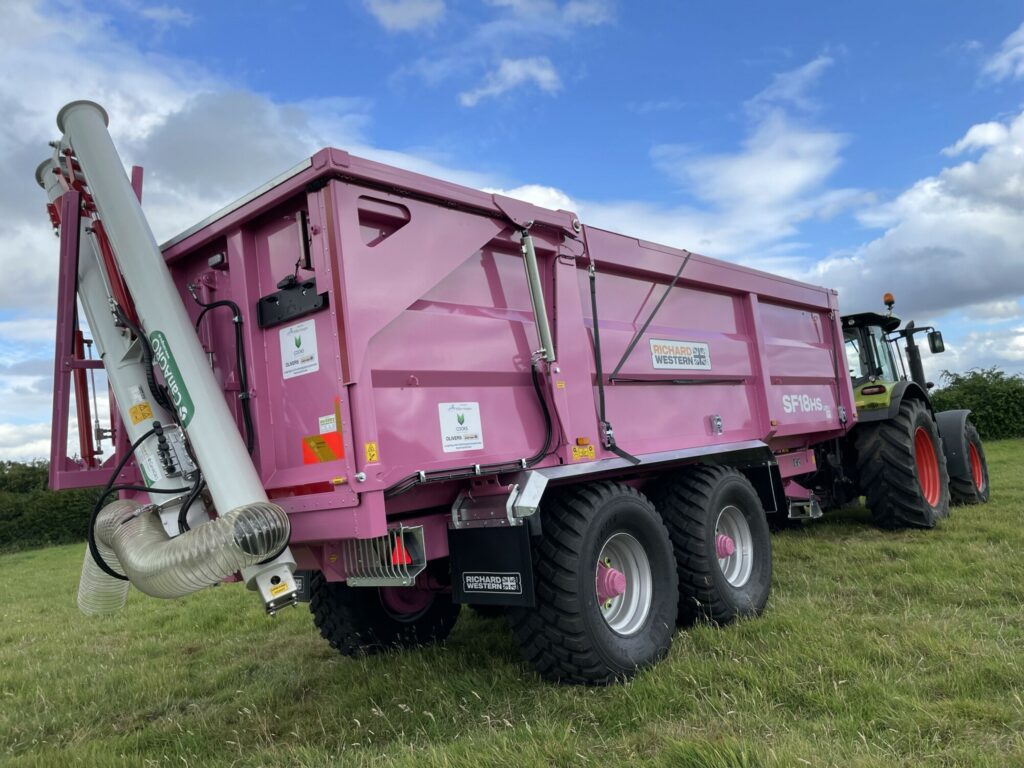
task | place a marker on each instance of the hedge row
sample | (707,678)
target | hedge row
(32,516)
(996,400)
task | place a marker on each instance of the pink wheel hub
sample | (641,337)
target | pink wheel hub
(610,582)
(724,546)
(405,601)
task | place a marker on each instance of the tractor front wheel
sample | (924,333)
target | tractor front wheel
(902,469)
(972,489)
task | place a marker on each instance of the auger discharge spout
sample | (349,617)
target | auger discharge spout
(250,533)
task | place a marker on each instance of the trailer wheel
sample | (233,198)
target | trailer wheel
(972,489)
(902,469)
(366,620)
(722,544)
(605,587)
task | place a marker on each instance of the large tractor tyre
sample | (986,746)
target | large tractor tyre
(972,489)
(360,621)
(605,587)
(722,544)
(902,469)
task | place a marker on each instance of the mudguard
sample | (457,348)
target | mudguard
(951,428)
(899,391)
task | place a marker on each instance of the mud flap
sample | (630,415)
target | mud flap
(492,566)
(951,429)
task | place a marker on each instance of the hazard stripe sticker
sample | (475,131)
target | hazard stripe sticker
(317,449)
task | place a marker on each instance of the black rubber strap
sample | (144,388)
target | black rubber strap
(606,427)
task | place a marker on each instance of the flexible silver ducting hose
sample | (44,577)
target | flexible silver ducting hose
(133,541)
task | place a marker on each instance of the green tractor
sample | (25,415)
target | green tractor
(909,462)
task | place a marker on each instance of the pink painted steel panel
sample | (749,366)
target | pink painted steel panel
(428,304)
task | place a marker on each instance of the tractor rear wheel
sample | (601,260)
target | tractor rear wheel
(605,584)
(902,469)
(360,621)
(972,489)
(722,544)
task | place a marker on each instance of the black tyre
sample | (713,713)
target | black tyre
(722,544)
(902,469)
(366,620)
(605,586)
(972,489)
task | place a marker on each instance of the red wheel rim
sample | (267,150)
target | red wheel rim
(977,473)
(927,466)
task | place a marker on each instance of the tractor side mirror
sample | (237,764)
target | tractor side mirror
(935,342)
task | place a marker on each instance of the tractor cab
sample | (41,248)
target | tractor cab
(875,360)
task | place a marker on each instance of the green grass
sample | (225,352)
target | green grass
(876,649)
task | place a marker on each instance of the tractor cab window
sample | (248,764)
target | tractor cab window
(882,353)
(857,364)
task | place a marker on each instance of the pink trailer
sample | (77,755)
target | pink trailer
(461,398)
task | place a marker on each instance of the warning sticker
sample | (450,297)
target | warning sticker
(278,589)
(372,454)
(298,349)
(680,355)
(461,429)
(319,448)
(582,452)
(140,412)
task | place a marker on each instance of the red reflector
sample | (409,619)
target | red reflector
(399,556)
(875,390)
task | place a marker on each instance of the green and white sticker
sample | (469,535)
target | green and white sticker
(461,428)
(175,382)
(298,349)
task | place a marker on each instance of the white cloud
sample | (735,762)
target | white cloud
(780,161)
(791,88)
(30,329)
(979,136)
(406,15)
(653,106)
(1008,61)
(24,442)
(166,15)
(517,26)
(512,74)
(952,240)
(589,12)
(996,310)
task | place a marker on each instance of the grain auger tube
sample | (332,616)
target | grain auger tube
(182,433)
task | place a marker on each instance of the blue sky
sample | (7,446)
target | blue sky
(865,146)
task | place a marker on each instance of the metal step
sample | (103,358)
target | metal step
(804,509)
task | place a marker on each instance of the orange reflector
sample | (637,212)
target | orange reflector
(582,441)
(400,556)
(876,389)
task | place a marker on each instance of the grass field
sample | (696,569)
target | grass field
(876,649)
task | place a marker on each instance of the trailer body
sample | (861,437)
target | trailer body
(449,391)
(423,315)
